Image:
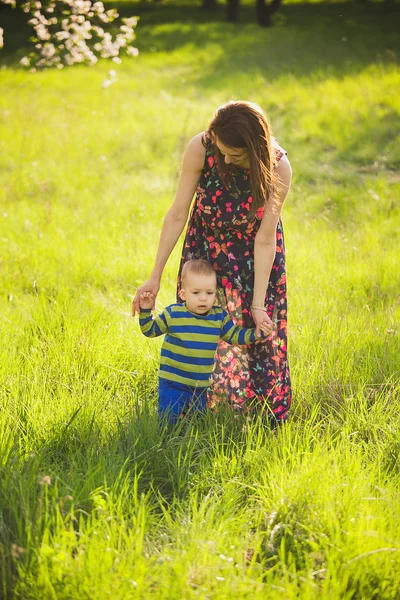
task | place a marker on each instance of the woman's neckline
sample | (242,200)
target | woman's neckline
(240,169)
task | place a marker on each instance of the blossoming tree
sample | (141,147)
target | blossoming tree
(67,32)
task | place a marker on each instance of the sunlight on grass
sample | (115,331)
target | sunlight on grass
(97,500)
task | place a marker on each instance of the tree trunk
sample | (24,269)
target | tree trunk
(233,10)
(265,11)
(209,4)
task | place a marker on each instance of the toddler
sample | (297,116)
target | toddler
(192,330)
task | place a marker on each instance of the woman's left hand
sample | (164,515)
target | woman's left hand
(259,317)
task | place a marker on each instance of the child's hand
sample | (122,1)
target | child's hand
(266,329)
(146,300)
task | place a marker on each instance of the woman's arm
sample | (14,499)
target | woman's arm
(176,216)
(265,241)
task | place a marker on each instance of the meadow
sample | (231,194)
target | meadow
(95,501)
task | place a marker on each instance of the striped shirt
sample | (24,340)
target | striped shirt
(188,350)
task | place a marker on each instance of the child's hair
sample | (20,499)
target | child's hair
(197,267)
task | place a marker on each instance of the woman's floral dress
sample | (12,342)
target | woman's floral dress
(246,377)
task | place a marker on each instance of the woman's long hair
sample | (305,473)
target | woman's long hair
(239,124)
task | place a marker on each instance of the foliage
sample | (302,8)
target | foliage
(68,32)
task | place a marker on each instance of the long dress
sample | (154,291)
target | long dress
(255,377)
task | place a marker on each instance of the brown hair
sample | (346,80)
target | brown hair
(197,267)
(240,124)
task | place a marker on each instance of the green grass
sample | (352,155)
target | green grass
(96,501)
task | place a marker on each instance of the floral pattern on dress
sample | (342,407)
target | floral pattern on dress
(254,377)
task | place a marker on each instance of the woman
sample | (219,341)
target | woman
(241,178)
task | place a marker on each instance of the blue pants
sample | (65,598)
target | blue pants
(175,398)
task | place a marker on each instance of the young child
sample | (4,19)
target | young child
(192,332)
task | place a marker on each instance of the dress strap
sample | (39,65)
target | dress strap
(208,161)
(278,151)
(207,143)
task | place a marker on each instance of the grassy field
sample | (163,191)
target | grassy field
(95,501)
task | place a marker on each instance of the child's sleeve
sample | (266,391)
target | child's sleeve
(153,326)
(233,334)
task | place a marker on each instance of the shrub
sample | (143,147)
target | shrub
(67,32)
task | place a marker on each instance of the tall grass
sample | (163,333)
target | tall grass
(98,501)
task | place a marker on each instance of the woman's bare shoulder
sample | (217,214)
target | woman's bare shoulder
(195,152)
(284,169)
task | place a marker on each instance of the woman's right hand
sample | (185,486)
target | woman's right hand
(152,286)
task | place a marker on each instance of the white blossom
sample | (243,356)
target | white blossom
(121,40)
(75,34)
(132,51)
(48,51)
(107,82)
(61,35)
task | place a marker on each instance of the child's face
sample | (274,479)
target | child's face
(199,292)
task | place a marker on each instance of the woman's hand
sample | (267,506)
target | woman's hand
(152,286)
(261,318)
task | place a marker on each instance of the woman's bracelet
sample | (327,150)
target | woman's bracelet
(259,308)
